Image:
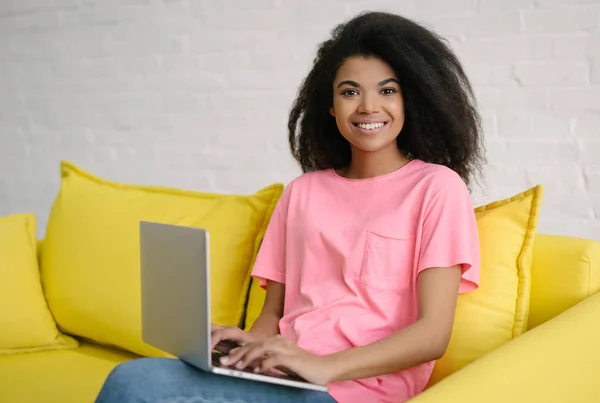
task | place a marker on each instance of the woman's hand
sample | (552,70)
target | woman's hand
(229,333)
(279,353)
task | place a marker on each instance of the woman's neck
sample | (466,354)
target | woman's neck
(372,164)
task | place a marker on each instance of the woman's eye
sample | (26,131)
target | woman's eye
(349,92)
(388,91)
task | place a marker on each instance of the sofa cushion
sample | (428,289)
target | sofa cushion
(90,258)
(565,271)
(497,312)
(68,376)
(25,321)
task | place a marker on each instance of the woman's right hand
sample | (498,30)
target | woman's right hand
(229,334)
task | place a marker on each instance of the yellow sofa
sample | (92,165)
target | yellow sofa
(554,360)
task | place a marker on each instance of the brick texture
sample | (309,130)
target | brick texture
(195,93)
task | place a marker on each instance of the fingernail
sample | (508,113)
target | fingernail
(224,360)
(239,365)
(256,370)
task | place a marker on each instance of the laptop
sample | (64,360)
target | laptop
(175,293)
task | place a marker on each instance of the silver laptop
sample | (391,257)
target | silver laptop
(175,291)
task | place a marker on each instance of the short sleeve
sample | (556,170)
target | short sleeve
(449,234)
(270,261)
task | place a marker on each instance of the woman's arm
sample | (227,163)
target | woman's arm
(265,326)
(267,323)
(423,341)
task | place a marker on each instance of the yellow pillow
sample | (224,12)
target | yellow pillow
(256,300)
(26,322)
(496,312)
(90,259)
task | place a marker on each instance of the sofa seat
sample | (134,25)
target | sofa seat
(66,376)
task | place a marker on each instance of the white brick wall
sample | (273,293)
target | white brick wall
(195,94)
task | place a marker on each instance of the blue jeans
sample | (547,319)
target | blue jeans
(166,380)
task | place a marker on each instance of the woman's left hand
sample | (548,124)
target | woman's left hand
(278,352)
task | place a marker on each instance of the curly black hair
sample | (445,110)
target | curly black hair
(441,125)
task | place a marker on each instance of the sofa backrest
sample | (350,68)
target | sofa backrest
(565,271)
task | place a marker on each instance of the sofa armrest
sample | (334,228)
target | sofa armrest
(556,362)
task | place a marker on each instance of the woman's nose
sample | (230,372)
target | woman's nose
(368,105)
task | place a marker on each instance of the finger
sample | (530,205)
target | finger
(227,333)
(215,337)
(226,346)
(280,363)
(236,355)
(249,354)
(233,351)
(256,363)
(253,351)
(270,362)
(261,351)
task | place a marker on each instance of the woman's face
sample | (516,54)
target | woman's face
(367,104)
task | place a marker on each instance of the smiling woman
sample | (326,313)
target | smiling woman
(366,252)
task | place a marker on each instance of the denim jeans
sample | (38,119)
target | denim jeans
(166,380)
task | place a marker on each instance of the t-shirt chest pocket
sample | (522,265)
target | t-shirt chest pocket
(388,262)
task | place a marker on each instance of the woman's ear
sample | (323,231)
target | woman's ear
(331,111)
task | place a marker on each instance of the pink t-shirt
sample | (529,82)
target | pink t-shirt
(349,252)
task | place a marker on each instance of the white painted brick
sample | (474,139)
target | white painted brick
(353,7)
(496,153)
(568,226)
(535,127)
(551,74)
(578,206)
(507,100)
(587,126)
(489,6)
(594,189)
(543,155)
(568,179)
(560,20)
(37,21)
(595,71)
(481,25)
(66,3)
(173,93)
(590,151)
(584,99)
(445,8)
(490,74)
(552,126)
(515,125)
(506,49)
(10,7)
(500,182)
(562,3)
(580,49)
(576,48)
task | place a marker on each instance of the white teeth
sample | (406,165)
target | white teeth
(370,126)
